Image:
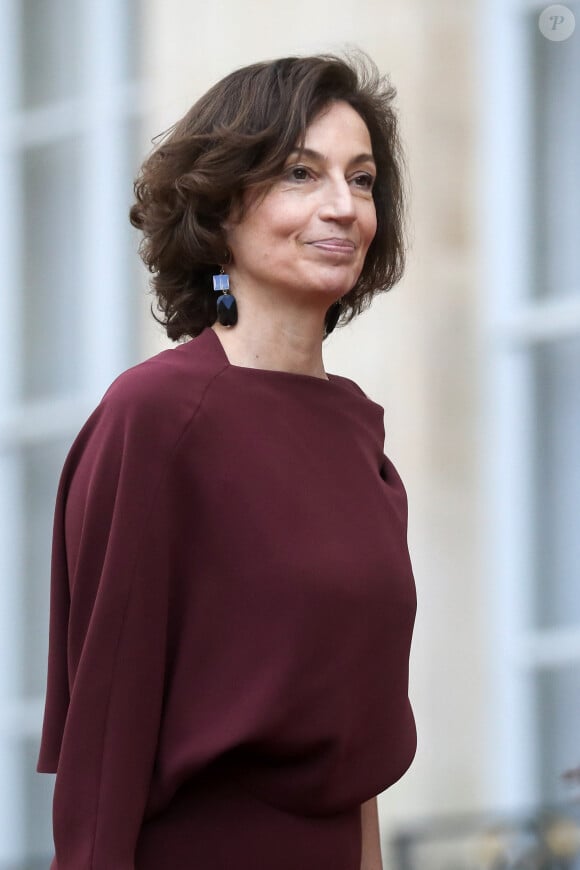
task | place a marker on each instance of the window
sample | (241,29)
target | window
(70,107)
(531,234)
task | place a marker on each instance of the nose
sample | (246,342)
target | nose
(338,203)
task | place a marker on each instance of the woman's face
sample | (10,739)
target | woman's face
(310,233)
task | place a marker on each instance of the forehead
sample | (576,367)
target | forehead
(338,124)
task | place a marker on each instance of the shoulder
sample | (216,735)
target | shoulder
(165,391)
(149,407)
(357,396)
(179,374)
(349,385)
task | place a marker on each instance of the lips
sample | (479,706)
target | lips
(334,245)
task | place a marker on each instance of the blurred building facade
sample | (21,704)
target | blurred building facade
(475,355)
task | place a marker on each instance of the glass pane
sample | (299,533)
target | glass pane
(557,484)
(50,50)
(37,809)
(51,268)
(556,138)
(558,718)
(130,24)
(41,470)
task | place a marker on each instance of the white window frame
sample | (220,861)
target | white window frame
(109,321)
(513,322)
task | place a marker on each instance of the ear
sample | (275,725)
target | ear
(234,217)
(226,258)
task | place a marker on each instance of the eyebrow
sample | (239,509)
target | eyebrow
(316,155)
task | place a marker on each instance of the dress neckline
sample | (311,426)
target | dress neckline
(254,371)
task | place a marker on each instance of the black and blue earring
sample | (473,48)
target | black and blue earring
(332,316)
(227,310)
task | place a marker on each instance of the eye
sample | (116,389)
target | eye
(364,181)
(298,173)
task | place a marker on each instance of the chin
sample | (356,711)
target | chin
(334,285)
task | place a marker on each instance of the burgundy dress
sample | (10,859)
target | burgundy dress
(231,614)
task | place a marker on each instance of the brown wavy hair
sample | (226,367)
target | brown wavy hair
(239,136)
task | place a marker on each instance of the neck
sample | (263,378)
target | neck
(276,337)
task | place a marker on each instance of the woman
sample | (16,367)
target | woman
(232,597)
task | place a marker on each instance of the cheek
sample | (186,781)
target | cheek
(373,221)
(370,227)
(241,238)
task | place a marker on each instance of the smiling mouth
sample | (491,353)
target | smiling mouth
(334,246)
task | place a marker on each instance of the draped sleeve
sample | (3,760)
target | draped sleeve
(110,590)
